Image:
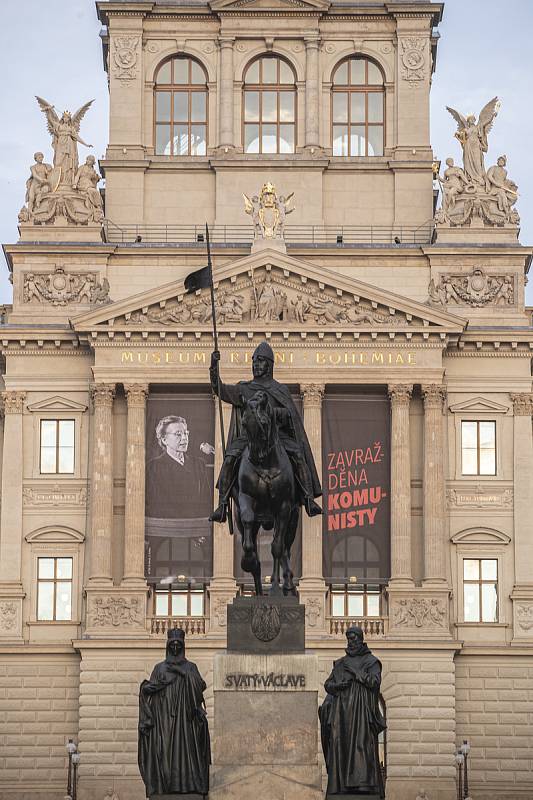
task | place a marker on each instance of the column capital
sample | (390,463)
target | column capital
(434,395)
(136,394)
(312,394)
(312,41)
(226,41)
(13,401)
(102,394)
(522,403)
(400,393)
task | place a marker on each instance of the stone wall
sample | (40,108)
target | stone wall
(38,712)
(494,697)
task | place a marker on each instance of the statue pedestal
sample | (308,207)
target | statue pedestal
(265,742)
(268,244)
(60,231)
(266,625)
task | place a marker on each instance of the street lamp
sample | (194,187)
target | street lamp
(459,760)
(75,762)
(465,749)
(71,749)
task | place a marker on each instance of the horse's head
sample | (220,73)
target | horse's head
(259,424)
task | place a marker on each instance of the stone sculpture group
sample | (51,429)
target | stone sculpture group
(63,190)
(472,193)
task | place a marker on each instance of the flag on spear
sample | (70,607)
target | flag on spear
(201,279)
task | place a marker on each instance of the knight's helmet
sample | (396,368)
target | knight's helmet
(264,350)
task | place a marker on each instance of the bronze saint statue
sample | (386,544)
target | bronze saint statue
(268,468)
(174,747)
(350,722)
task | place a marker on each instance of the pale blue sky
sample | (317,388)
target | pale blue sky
(51,48)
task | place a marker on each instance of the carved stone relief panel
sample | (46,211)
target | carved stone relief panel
(419,612)
(110,611)
(56,496)
(125,56)
(480,497)
(413,59)
(61,288)
(475,289)
(270,296)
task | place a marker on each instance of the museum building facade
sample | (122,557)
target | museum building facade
(401,330)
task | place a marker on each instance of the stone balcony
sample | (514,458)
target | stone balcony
(193,626)
(373,627)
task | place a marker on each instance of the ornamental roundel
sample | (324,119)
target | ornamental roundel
(266,622)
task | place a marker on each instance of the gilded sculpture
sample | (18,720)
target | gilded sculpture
(64,190)
(268,212)
(473,194)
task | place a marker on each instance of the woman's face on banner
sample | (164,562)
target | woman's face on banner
(176,437)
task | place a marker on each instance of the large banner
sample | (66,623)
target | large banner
(179,486)
(356,484)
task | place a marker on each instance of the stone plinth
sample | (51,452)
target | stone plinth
(266,731)
(60,231)
(269,244)
(480,234)
(266,625)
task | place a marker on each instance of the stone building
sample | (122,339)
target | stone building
(369,298)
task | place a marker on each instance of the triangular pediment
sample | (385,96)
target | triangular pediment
(269,5)
(272,291)
(56,403)
(479,405)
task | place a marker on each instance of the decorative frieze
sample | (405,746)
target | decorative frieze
(419,612)
(61,288)
(109,611)
(480,497)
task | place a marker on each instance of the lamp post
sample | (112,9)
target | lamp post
(75,762)
(71,749)
(459,760)
(465,749)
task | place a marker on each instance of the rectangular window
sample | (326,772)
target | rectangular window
(480,589)
(57,446)
(54,589)
(356,601)
(478,447)
(186,602)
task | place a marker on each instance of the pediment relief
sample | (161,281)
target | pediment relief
(269,5)
(272,292)
(56,403)
(479,405)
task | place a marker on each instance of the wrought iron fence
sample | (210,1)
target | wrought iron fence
(295,235)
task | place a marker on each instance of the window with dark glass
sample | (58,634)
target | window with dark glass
(269,107)
(480,589)
(56,446)
(358,109)
(478,447)
(180,111)
(54,589)
(180,602)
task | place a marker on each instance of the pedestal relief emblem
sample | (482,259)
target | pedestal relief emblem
(413,59)
(125,57)
(266,622)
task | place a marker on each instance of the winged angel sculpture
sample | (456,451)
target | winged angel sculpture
(268,212)
(64,189)
(474,192)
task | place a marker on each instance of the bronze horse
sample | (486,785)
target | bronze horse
(265,494)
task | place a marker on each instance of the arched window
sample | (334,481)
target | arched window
(180,108)
(357,109)
(269,103)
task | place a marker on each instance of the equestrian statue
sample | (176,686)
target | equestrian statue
(268,469)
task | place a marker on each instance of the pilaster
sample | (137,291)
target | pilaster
(11,590)
(400,398)
(434,488)
(225,108)
(222,588)
(136,394)
(522,594)
(312,587)
(312,136)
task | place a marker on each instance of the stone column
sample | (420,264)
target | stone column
(11,590)
(223,587)
(312,585)
(135,484)
(522,594)
(434,487)
(102,485)
(312,116)
(400,396)
(225,111)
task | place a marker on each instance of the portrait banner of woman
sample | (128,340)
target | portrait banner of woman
(179,486)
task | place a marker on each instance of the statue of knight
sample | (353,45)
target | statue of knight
(268,469)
